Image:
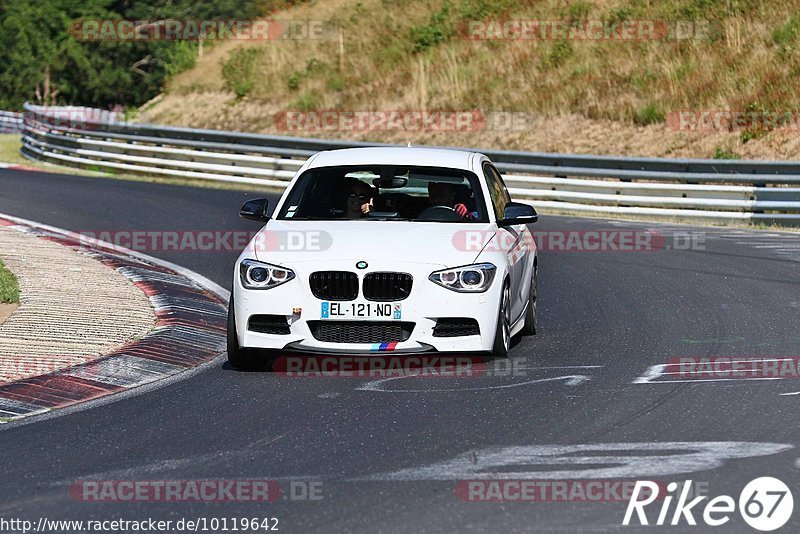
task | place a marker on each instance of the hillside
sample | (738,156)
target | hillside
(576,94)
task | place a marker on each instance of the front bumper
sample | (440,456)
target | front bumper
(427,303)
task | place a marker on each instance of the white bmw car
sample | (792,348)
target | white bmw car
(370,250)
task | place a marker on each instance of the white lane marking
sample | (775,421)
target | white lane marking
(653,372)
(196,277)
(561,367)
(377,385)
(693,380)
(583,462)
(789,394)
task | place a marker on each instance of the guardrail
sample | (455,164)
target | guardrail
(709,190)
(10,122)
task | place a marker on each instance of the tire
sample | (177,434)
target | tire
(502,335)
(239,358)
(529,329)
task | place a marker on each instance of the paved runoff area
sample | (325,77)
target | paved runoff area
(73,309)
(95,320)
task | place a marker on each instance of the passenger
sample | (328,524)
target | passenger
(442,194)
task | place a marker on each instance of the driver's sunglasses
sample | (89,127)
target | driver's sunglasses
(361,196)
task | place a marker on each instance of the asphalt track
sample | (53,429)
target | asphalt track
(604,320)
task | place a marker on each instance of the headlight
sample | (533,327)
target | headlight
(259,275)
(468,279)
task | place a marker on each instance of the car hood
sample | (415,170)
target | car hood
(432,243)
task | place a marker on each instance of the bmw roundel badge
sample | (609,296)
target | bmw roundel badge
(361,265)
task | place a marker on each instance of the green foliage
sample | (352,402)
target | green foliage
(180,57)
(438,29)
(621,15)
(559,54)
(756,129)
(722,153)
(482,9)
(294,80)
(239,71)
(787,35)
(313,65)
(40,36)
(442,24)
(308,101)
(714,9)
(650,114)
(335,83)
(578,10)
(9,288)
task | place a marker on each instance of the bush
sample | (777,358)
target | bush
(308,101)
(180,57)
(559,54)
(336,83)
(787,35)
(294,80)
(722,153)
(578,10)
(482,9)
(650,114)
(438,29)
(239,71)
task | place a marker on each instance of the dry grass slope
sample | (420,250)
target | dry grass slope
(588,96)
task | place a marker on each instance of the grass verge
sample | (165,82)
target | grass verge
(9,150)
(9,287)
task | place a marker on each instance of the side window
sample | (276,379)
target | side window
(497,190)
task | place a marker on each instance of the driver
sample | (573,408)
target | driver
(442,194)
(359,198)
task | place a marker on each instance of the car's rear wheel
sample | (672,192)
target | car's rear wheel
(502,336)
(530,314)
(238,357)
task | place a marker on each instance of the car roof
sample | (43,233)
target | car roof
(422,157)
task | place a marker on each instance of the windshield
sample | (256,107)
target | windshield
(382,192)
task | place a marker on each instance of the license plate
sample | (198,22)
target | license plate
(361,310)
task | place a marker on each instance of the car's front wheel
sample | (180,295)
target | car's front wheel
(238,357)
(530,314)
(502,336)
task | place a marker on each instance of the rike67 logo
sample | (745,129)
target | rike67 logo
(765,504)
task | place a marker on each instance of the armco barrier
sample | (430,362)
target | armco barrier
(10,122)
(707,190)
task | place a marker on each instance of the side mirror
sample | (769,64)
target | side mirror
(255,210)
(518,213)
